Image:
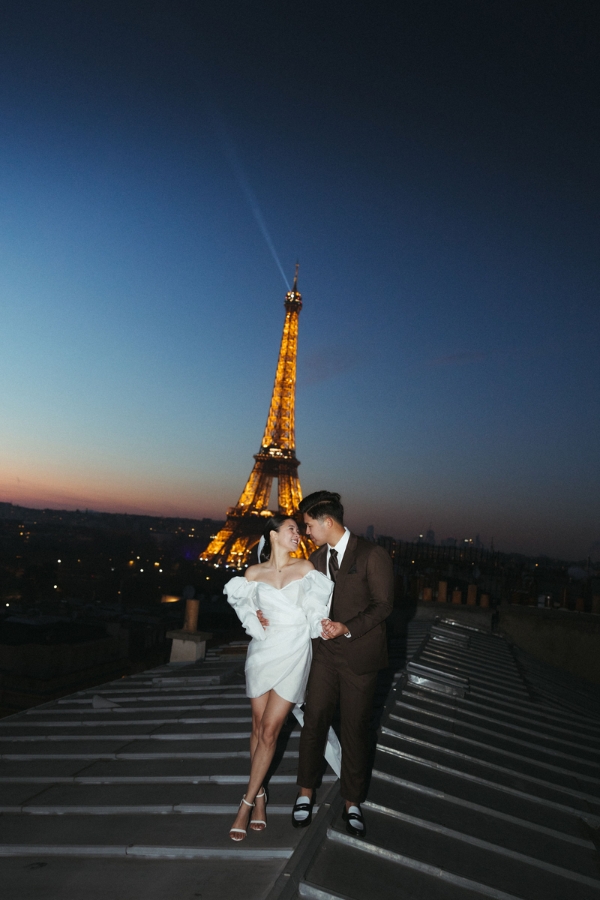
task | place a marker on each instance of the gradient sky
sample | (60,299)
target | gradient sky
(434,167)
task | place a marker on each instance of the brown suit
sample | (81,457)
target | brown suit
(345,669)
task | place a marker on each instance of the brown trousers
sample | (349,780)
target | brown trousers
(332,680)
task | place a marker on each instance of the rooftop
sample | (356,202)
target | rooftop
(485,784)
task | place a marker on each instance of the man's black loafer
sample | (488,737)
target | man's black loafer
(355,824)
(302,811)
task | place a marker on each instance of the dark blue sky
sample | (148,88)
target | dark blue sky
(434,167)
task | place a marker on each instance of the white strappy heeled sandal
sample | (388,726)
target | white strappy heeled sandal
(242,831)
(261,822)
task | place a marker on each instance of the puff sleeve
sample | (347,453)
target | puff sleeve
(241,595)
(315,600)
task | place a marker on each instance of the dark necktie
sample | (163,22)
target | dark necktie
(333,565)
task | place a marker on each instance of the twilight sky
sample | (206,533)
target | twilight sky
(434,167)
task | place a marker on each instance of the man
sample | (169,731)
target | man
(346,658)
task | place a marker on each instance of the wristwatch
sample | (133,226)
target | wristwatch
(348,635)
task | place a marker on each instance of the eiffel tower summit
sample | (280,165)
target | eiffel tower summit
(276,458)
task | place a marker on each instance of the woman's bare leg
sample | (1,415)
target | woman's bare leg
(258,704)
(275,713)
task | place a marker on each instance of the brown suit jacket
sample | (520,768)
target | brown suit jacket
(363,598)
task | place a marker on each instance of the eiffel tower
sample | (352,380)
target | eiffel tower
(233,545)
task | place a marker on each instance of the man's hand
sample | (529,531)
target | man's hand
(332,629)
(263,621)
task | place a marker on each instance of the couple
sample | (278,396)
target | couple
(341,596)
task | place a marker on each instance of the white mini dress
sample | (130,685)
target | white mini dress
(279,656)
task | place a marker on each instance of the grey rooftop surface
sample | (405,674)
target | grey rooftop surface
(128,790)
(485,783)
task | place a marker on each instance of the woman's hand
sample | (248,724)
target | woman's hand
(332,629)
(263,621)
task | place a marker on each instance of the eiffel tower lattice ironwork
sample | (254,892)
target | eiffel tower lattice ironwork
(276,458)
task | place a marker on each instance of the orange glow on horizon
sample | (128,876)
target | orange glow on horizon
(112,493)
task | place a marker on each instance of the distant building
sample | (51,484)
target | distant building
(370,533)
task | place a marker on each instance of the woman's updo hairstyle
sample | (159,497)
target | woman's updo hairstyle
(274,523)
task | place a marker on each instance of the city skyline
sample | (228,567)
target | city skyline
(435,173)
(18,513)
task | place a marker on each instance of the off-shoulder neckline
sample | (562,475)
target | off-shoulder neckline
(266,583)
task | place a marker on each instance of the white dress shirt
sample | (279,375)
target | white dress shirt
(340,547)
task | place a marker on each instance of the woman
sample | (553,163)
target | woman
(293,599)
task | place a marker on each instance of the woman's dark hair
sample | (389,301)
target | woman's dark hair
(323,503)
(274,523)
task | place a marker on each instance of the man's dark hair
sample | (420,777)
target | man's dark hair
(323,503)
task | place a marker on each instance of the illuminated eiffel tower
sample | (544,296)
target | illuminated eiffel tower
(276,458)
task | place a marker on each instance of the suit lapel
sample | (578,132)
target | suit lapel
(319,559)
(347,563)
